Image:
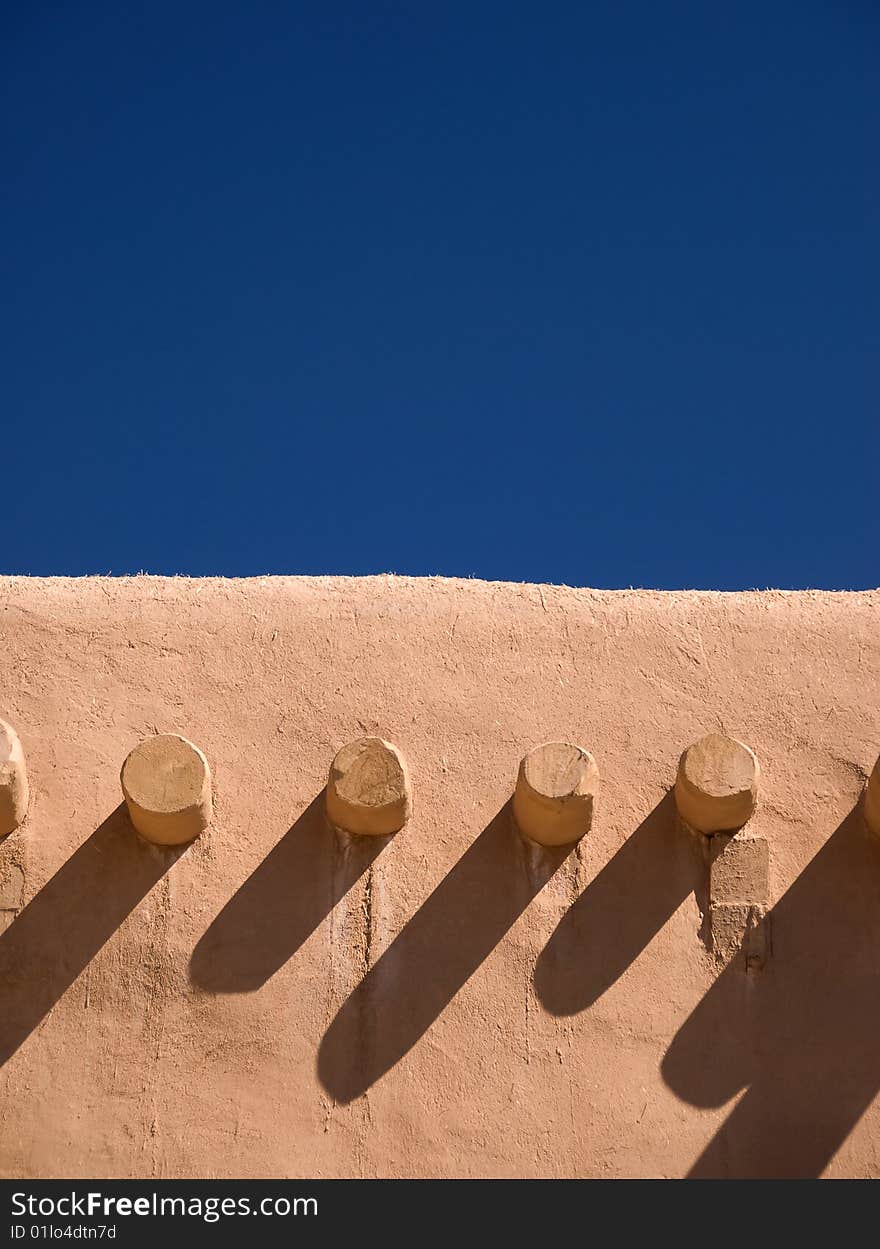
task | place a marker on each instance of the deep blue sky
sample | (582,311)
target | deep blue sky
(573,292)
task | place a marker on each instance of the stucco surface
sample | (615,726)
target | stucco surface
(277,1000)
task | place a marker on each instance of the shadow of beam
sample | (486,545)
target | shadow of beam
(799,1036)
(281,903)
(432,957)
(59,932)
(619,912)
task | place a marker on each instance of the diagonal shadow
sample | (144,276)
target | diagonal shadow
(63,927)
(799,1036)
(619,912)
(281,903)
(433,956)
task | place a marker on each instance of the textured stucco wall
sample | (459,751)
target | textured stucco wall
(273,1002)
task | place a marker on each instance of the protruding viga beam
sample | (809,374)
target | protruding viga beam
(872,800)
(167,786)
(717,785)
(368,790)
(14,792)
(555,794)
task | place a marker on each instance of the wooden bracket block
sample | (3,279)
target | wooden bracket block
(872,800)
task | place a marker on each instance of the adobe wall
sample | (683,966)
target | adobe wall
(277,1000)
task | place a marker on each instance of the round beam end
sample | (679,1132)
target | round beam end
(555,794)
(368,790)
(167,786)
(717,784)
(14,791)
